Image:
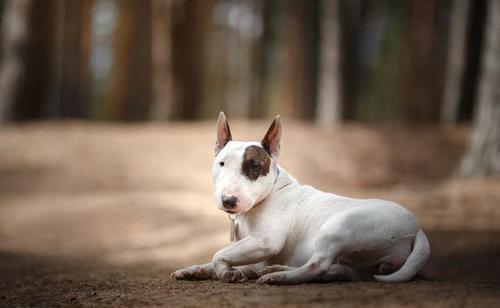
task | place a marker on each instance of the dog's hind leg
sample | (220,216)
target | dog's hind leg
(327,247)
(275,268)
(314,269)
(343,272)
(249,271)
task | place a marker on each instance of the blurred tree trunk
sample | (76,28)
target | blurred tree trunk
(262,56)
(15,37)
(375,61)
(425,54)
(69,74)
(131,94)
(190,27)
(163,97)
(271,66)
(387,94)
(464,58)
(121,72)
(483,155)
(56,52)
(455,61)
(242,43)
(472,66)
(350,69)
(231,58)
(302,64)
(329,108)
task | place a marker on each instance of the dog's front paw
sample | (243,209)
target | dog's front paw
(194,272)
(273,278)
(233,276)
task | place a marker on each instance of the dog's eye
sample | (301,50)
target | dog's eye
(221,164)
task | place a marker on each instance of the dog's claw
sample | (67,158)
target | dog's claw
(175,276)
(233,276)
(179,275)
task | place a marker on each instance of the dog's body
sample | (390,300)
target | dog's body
(290,233)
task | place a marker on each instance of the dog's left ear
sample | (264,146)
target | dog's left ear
(271,141)
(223,133)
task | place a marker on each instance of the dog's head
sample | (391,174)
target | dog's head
(244,172)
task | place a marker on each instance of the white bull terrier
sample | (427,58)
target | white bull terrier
(288,233)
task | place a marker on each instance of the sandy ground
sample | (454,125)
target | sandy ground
(98,214)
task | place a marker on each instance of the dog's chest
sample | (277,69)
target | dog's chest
(245,226)
(237,231)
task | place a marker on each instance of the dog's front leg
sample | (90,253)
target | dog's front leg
(249,250)
(195,272)
(205,272)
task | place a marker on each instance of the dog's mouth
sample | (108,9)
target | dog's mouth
(230,212)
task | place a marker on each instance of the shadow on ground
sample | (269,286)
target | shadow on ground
(464,271)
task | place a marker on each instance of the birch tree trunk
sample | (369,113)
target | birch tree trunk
(483,156)
(15,36)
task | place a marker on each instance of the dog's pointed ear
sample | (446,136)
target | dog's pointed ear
(223,133)
(271,141)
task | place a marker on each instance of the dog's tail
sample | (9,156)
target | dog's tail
(413,264)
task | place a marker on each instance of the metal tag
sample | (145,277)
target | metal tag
(232,234)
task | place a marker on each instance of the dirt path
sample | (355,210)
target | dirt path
(101,214)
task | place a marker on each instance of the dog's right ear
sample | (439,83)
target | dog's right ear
(272,139)
(223,133)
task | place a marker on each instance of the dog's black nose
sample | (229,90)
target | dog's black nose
(229,202)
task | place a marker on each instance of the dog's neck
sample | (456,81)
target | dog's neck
(283,180)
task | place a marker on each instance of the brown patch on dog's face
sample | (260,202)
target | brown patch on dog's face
(256,162)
